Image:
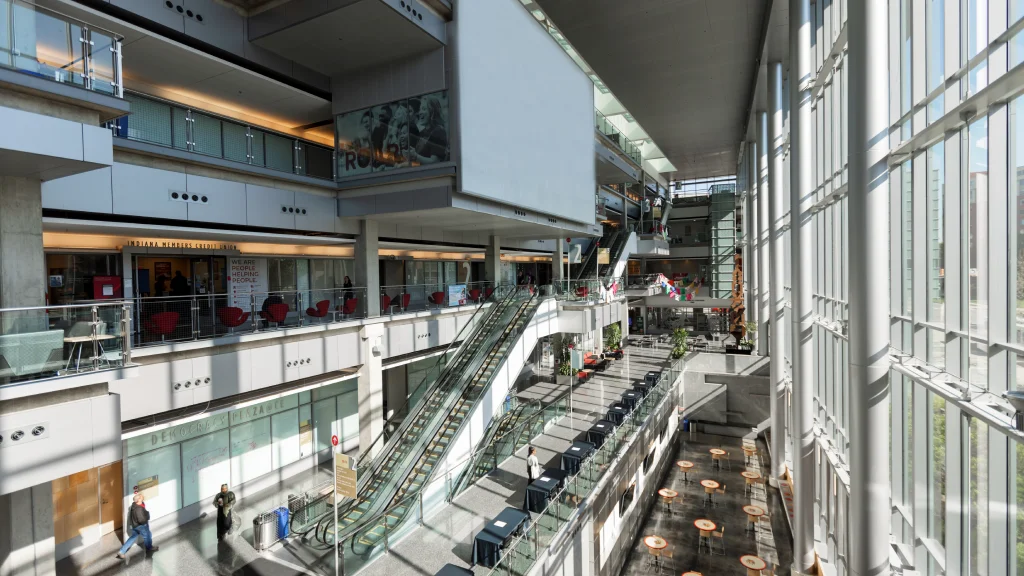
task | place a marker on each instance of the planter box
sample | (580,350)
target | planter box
(563,380)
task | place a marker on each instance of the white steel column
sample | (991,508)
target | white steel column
(870,510)
(777,266)
(802,261)
(754,290)
(764,264)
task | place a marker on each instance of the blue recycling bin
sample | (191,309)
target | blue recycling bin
(282,522)
(686,424)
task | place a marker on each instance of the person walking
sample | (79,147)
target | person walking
(138,524)
(532,466)
(223,501)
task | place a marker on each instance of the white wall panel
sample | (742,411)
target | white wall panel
(321,212)
(509,67)
(225,200)
(142,191)
(85,192)
(263,207)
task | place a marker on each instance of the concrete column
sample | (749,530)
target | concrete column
(643,317)
(599,337)
(26,532)
(763,196)
(801,186)
(492,260)
(368,265)
(777,266)
(22,264)
(370,391)
(558,262)
(624,319)
(869,299)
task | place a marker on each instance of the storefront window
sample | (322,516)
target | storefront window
(207,466)
(281,274)
(324,415)
(71,276)
(157,475)
(250,450)
(285,429)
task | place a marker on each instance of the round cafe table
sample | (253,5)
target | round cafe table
(692,573)
(655,542)
(716,455)
(753,514)
(709,489)
(685,466)
(749,452)
(667,493)
(753,564)
(751,477)
(706,527)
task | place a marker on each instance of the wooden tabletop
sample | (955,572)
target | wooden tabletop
(684,464)
(656,542)
(709,484)
(692,573)
(753,562)
(750,449)
(668,493)
(717,451)
(750,474)
(752,510)
(704,524)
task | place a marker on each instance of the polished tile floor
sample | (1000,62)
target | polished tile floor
(676,524)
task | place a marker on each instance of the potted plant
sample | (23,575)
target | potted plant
(613,337)
(564,367)
(679,344)
(746,345)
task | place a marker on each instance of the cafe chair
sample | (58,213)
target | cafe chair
(385,303)
(232,317)
(720,536)
(474,294)
(652,559)
(275,313)
(404,300)
(719,491)
(162,324)
(488,292)
(349,307)
(666,555)
(436,298)
(321,309)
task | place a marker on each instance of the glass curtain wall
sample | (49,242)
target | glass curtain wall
(956,281)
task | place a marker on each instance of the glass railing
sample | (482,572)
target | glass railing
(604,126)
(44,342)
(518,558)
(173,125)
(44,43)
(163,319)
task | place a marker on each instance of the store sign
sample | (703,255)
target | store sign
(345,480)
(245,276)
(192,245)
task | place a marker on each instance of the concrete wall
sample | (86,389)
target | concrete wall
(726,389)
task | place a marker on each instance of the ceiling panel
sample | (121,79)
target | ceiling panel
(683,68)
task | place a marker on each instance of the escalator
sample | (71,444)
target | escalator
(589,266)
(407,462)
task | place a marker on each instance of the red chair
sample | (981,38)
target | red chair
(474,294)
(385,302)
(488,292)
(275,313)
(437,298)
(162,324)
(404,300)
(581,292)
(322,307)
(232,317)
(349,308)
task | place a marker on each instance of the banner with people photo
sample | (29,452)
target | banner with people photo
(401,134)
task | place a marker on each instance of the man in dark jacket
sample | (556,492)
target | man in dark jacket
(138,525)
(223,501)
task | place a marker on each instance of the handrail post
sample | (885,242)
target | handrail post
(126,341)
(94,331)
(252,308)
(298,308)
(420,495)
(195,318)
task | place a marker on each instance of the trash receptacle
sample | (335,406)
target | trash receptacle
(297,507)
(264,530)
(282,522)
(686,424)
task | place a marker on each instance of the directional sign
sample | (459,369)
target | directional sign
(334,440)
(344,476)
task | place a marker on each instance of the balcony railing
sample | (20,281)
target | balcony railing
(40,42)
(166,123)
(44,342)
(604,126)
(164,319)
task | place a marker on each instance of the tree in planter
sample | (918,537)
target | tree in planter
(612,336)
(679,345)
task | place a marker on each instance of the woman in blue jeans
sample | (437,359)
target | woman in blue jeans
(138,524)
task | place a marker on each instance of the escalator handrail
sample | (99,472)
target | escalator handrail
(375,518)
(441,375)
